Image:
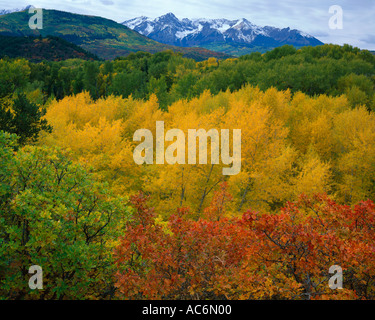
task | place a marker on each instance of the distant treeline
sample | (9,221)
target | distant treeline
(327,69)
(37,49)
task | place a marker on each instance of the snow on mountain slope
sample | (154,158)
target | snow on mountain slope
(200,32)
(5,11)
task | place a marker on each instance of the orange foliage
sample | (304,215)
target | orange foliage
(256,256)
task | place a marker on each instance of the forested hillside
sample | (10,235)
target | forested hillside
(327,69)
(73,200)
(102,37)
(37,49)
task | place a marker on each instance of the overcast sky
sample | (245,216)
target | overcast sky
(310,16)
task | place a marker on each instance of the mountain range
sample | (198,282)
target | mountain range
(103,37)
(229,36)
(195,38)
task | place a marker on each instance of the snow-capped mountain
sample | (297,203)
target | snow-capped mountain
(169,29)
(5,11)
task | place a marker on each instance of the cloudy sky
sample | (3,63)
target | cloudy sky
(310,16)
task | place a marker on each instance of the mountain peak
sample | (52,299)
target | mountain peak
(170,14)
(244,24)
(167,17)
(213,33)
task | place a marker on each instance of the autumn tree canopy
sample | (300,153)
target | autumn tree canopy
(73,200)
